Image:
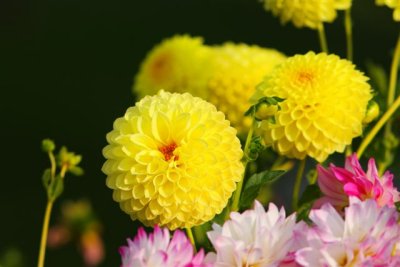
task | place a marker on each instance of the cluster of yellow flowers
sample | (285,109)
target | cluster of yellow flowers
(174,160)
(224,75)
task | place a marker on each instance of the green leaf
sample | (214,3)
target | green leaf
(254,183)
(303,211)
(56,188)
(76,170)
(378,76)
(46,178)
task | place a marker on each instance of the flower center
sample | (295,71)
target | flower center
(159,67)
(168,151)
(305,77)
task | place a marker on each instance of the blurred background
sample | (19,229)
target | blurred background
(67,72)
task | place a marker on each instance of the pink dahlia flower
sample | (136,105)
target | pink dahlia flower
(157,249)
(253,238)
(338,184)
(366,237)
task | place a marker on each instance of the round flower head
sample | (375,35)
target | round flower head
(306,13)
(338,184)
(157,249)
(395,4)
(238,68)
(179,64)
(366,237)
(172,160)
(324,103)
(253,238)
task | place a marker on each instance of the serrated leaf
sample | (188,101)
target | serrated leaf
(254,183)
(46,178)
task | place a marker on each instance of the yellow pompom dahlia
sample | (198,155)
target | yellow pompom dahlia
(325,102)
(238,68)
(395,4)
(306,13)
(179,64)
(172,160)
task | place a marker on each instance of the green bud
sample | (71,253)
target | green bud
(48,145)
(372,112)
(265,111)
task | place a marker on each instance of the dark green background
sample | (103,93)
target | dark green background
(67,69)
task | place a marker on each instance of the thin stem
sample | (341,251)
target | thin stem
(238,192)
(53,164)
(370,136)
(322,38)
(393,73)
(45,230)
(191,238)
(63,171)
(392,106)
(349,33)
(297,184)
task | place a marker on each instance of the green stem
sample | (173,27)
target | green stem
(238,192)
(392,106)
(53,164)
(45,231)
(297,184)
(370,136)
(191,238)
(322,38)
(393,74)
(349,33)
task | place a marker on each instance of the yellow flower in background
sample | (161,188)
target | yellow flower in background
(172,160)
(178,64)
(306,13)
(238,68)
(395,4)
(325,102)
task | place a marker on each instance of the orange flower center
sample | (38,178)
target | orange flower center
(168,151)
(305,77)
(159,68)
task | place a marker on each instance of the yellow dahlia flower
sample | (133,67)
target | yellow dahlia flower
(395,4)
(306,13)
(325,102)
(172,160)
(238,68)
(178,64)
